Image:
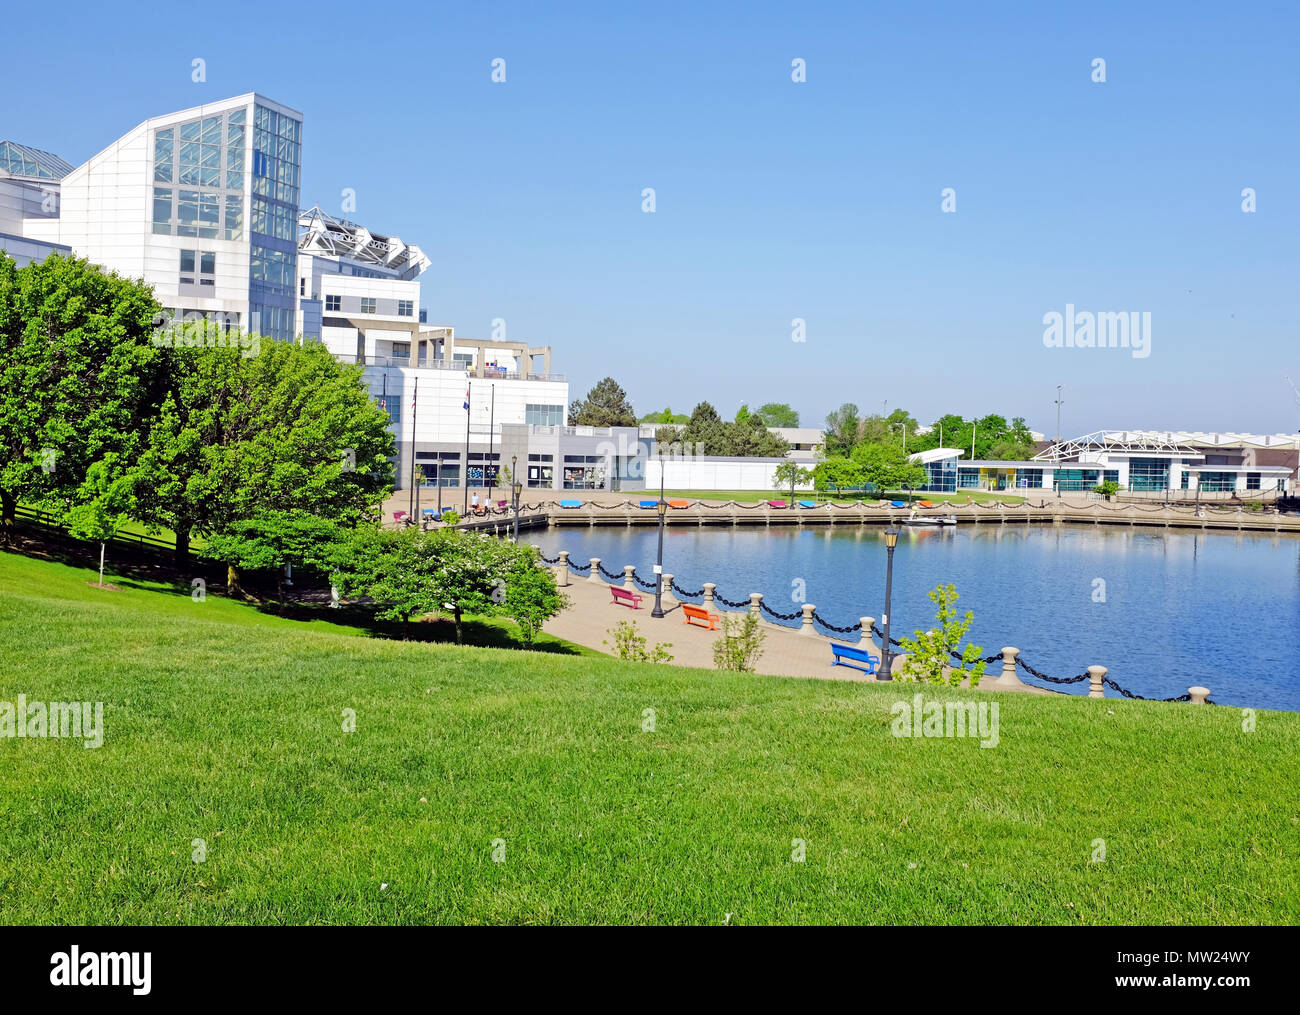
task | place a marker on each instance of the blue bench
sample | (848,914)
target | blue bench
(857,655)
(807,503)
(570,503)
(648,503)
(898,503)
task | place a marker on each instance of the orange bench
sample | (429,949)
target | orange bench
(629,599)
(699,613)
(679,503)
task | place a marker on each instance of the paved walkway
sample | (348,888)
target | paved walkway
(786,652)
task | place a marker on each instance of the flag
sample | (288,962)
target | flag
(466,405)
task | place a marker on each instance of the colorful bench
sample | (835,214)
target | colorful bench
(502,504)
(398,516)
(647,503)
(570,504)
(897,503)
(679,503)
(777,504)
(692,614)
(856,655)
(807,503)
(629,599)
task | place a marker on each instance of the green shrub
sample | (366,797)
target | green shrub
(740,645)
(450,517)
(630,645)
(929,654)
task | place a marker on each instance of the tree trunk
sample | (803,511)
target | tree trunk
(101,565)
(406,629)
(460,634)
(8,511)
(232,581)
(182,544)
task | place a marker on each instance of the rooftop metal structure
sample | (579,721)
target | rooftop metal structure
(22,160)
(1162,442)
(326,236)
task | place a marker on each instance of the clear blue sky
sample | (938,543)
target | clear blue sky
(778,200)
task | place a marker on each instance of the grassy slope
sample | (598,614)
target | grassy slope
(224,724)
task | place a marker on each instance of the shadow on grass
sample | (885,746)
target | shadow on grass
(159,573)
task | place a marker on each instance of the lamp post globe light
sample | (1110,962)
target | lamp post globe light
(517,489)
(662,508)
(886,656)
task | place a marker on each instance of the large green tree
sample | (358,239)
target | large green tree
(605,405)
(79,378)
(290,429)
(843,428)
(779,414)
(887,466)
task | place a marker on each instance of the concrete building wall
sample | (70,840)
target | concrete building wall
(704,473)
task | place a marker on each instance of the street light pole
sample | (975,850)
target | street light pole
(886,657)
(517,488)
(662,508)
(1057,447)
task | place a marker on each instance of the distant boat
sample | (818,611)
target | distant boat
(929,521)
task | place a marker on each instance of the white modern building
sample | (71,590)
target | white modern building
(29,190)
(1164,464)
(201,204)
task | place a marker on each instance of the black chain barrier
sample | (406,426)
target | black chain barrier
(831,627)
(727,602)
(682,592)
(580,568)
(550,560)
(1051,680)
(648,586)
(779,616)
(881,635)
(609,574)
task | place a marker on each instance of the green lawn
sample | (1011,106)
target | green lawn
(223,723)
(750,496)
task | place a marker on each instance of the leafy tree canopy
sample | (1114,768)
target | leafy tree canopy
(78,376)
(605,405)
(779,414)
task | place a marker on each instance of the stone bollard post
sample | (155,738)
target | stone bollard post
(562,578)
(754,599)
(1009,677)
(1199,694)
(1095,687)
(709,589)
(667,596)
(806,628)
(594,577)
(628,581)
(867,623)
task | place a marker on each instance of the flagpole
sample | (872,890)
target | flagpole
(414,398)
(469,387)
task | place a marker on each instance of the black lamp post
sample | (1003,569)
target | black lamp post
(518,489)
(886,657)
(662,508)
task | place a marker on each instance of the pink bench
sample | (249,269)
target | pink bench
(629,599)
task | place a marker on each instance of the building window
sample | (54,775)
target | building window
(1212,482)
(367,305)
(391,404)
(302,287)
(1252,480)
(1148,474)
(405,308)
(544,415)
(198,267)
(584,472)
(334,304)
